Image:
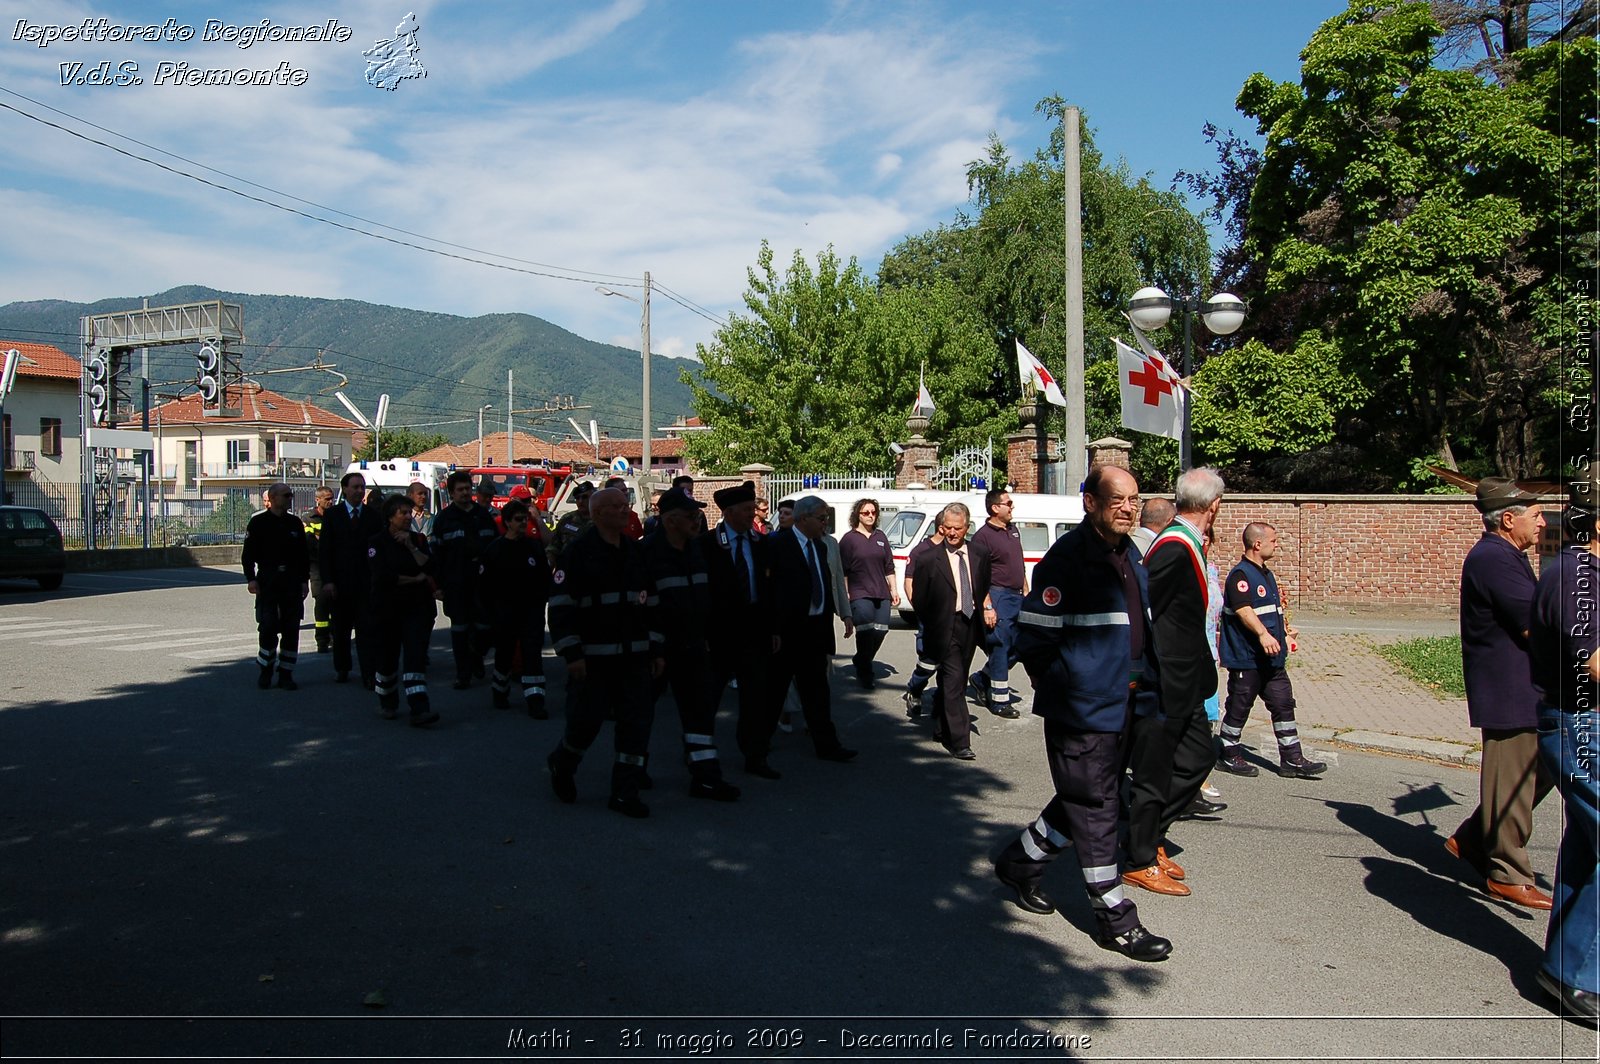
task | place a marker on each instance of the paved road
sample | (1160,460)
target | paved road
(178,844)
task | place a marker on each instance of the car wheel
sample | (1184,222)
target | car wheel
(51,582)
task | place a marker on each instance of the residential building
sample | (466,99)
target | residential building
(41,429)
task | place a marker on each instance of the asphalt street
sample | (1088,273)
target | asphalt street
(190,866)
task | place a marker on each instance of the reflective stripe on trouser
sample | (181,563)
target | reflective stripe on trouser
(871,619)
(522,638)
(1085,767)
(278,629)
(1272,686)
(999,643)
(416,685)
(687,676)
(924,670)
(621,688)
(404,634)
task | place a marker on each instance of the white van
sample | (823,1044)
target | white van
(907,517)
(396,475)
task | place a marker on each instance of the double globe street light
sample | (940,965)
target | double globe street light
(1151,308)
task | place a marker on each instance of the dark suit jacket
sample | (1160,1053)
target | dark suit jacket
(1178,613)
(934,596)
(789,576)
(342,549)
(734,622)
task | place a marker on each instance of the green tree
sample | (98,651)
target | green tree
(1411,226)
(401,442)
(821,372)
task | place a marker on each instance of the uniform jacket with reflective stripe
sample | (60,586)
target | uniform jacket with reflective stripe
(680,582)
(1076,651)
(514,580)
(1240,648)
(601,605)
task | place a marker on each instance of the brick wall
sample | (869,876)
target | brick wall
(1345,550)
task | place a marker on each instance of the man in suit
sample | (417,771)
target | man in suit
(950,587)
(1172,754)
(739,631)
(803,608)
(346,578)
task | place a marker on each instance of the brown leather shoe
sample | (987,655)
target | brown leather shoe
(1527,895)
(1172,868)
(1155,880)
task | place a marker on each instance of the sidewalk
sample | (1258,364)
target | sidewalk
(1346,693)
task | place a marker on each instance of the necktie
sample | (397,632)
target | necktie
(964,602)
(741,568)
(816,574)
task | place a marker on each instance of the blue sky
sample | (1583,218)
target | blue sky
(609,137)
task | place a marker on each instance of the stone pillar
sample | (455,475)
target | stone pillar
(1023,450)
(918,456)
(758,473)
(1109,451)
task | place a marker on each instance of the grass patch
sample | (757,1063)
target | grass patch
(1434,662)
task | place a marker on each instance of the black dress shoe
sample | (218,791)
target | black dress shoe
(1579,1004)
(630,806)
(1137,944)
(840,754)
(562,781)
(1008,711)
(1202,807)
(1029,896)
(913,704)
(964,754)
(762,769)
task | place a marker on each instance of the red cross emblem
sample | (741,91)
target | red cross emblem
(1154,382)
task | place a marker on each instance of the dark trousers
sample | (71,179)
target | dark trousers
(522,635)
(1511,782)
(1170,759)
(871,618)
(470,634)
(322,615)
(802,659)
(744,653)
(688,677)
(403,633)
(927,665)
(352,613)
(952,724)
(999,642)
(616,686)
(278,616)
(1272,686)
(1085,768)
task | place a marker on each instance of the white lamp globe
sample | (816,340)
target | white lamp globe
(1150,309)
(1224,313)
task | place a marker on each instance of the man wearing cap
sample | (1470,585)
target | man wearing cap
(740,631)
(1564,651)
(461,533)
(677,570)
(1497,588)
(573,524)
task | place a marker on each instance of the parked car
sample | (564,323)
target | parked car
(30,546)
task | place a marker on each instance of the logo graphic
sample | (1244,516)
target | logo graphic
(1244,585)
(393,61)
(1051,596)
(1261,591)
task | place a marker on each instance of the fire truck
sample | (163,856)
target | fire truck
(549,485)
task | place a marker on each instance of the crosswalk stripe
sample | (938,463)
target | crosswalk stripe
(165,643)
(37,632)
(220,650)
(81,640)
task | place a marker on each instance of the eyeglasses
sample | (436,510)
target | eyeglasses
(869,513)
(1117,502)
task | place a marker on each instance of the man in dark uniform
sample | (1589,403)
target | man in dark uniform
(740,632)
(347,527)
(461,533)
(1171,755)
(1084,637)
(514,580)
(603,622)
(949,587)
(321,614)
(927,666)
(1000,540)
(570,527)
(277,570)
(678,573)
(1255,650)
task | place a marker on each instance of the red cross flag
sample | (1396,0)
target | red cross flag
(1152,396)
(1031,369)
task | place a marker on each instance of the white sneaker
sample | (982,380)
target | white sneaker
(1210,793)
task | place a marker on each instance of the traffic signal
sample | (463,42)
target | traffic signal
(208,360)
(99,383)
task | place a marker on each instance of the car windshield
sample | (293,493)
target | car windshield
(902,530)
(24,521)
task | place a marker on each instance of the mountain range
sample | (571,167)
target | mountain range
(438,369)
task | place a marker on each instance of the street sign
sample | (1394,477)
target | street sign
(619,465)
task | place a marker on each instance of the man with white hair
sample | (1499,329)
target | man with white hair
(1172,754)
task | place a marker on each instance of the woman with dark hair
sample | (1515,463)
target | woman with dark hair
(868,563)
(403,590)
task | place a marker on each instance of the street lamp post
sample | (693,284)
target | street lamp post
(481,409)
(1151,308)
(644,333)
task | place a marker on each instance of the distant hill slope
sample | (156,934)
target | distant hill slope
(435,367)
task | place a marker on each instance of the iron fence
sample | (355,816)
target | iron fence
(791,485)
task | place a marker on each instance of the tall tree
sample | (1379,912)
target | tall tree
(401,442)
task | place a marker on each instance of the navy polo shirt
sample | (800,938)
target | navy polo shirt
(1497,586)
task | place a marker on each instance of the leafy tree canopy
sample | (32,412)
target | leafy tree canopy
(401,442)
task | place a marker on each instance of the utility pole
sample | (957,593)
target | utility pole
(644,458)
(1077,431)
(481,409)
(511,447)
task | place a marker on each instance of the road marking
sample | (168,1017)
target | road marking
(221,650)
(126,635)
(36,631)
(165,643)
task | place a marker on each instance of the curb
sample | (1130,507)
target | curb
(1406,745)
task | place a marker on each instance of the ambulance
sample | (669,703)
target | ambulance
(396,475)
(909,516)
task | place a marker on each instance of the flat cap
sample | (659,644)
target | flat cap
(1496,493)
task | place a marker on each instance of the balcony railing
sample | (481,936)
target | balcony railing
(20,460)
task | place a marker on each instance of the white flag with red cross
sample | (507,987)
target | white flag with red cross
(1152,394)
(1029,368)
